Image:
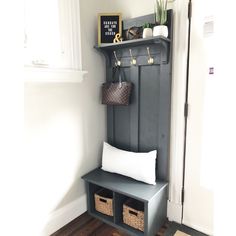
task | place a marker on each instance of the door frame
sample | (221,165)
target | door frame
(179,70)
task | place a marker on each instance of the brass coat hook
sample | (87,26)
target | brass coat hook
(150,59)
(118,62)
(133,60)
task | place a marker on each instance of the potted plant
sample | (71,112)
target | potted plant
(160,18)
(147,30)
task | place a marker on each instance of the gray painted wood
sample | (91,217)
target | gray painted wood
(145,124)
(154,208)
(124,185)
(121,119)
(142,126)
(134,109)
(119,200)
(130,43)
(138,21)
(157,211)
(110,110)
(91,190)
(139,50)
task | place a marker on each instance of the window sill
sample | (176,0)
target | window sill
(47,75)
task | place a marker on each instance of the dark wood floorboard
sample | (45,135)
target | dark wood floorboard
(74,225)
(86,225)
(89,229)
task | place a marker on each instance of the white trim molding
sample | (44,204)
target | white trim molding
(64,215)
(174,211)
(177,109)
(71,32)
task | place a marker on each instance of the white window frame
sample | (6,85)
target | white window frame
(71,43)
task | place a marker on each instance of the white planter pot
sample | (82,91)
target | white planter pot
(147,32)
(160,30)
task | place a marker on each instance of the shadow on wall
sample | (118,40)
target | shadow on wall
(63,139)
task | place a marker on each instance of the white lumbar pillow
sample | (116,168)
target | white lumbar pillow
(137,165)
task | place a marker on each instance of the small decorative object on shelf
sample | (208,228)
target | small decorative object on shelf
(160,18)
(109,26)
(133,33)
(117,38)
(147,30)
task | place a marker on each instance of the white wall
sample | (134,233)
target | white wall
(130,9)
(199,197)
(224,121)
(64,131)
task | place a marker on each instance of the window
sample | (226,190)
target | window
(52,34)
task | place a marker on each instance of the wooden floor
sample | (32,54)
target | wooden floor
(85,225)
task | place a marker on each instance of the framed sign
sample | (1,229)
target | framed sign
(109,24)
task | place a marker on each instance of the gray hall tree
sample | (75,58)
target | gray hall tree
(142,126)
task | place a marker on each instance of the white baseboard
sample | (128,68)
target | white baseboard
(64,215)
(174,211)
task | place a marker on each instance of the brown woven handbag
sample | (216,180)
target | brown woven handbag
(116,93)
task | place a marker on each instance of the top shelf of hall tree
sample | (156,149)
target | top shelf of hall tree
(133,43)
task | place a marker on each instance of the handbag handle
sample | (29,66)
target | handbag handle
(119,75)
(120,79)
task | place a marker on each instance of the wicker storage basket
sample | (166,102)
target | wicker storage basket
(133,214)
(104,202)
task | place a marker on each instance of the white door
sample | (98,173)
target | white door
(198,198)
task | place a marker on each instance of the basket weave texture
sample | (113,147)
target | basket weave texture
(133,214)
(104,202)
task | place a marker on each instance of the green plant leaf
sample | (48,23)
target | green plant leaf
(160,11)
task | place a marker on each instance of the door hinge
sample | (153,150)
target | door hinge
(189,9)
(182,196)
(186,110)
